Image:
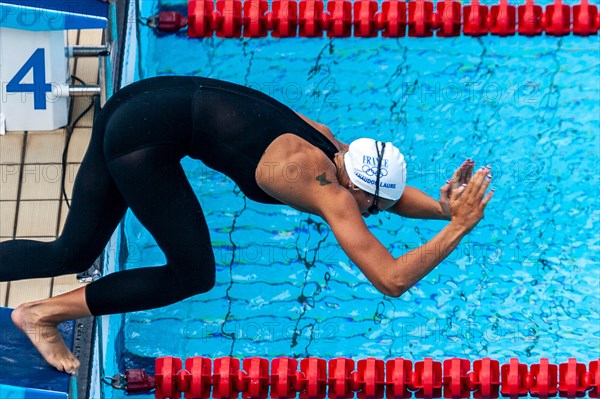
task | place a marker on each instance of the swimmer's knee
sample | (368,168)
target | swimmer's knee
(206,279)
(202,279)
(199,286)
(65,259)
(72,266)
(206,284)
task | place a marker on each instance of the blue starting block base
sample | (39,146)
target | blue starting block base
(24,374)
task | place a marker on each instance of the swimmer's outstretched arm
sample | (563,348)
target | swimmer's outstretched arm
(394,276)
(415,204)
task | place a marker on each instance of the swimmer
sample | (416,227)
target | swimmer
(133,161)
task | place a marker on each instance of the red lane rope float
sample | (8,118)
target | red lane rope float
(343,378)
(420,18)
(393,18)
(503,19)
(586,19)
(449,18)
(530,19)
(476,19)
(367,18)
(485,378)
(255,20)
(365,22)
(557,19)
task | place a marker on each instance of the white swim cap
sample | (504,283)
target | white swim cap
(361,164)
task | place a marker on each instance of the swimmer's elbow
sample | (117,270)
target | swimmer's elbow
(396,292)
(394,288)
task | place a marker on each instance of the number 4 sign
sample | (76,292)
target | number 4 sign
(33,68)
(37,64)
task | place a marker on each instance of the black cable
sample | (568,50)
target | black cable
(73,77)
(69,130)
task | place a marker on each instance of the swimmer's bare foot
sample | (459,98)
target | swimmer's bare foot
(45,336)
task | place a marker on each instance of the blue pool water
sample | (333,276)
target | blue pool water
(525,283)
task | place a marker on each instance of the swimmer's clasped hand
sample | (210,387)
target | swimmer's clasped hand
(462,176)
(468,202)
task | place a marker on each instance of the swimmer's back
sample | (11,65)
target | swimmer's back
(234,125)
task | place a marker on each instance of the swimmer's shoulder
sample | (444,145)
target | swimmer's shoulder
(325,131)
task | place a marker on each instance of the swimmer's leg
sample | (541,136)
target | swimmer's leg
(96,209)
(156,189)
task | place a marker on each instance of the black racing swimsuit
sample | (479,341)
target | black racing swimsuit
(225,125)
(133,162)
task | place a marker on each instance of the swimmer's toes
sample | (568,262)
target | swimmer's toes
(67,362)
(73,366)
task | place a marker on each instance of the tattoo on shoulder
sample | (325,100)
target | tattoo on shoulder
(322,179)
